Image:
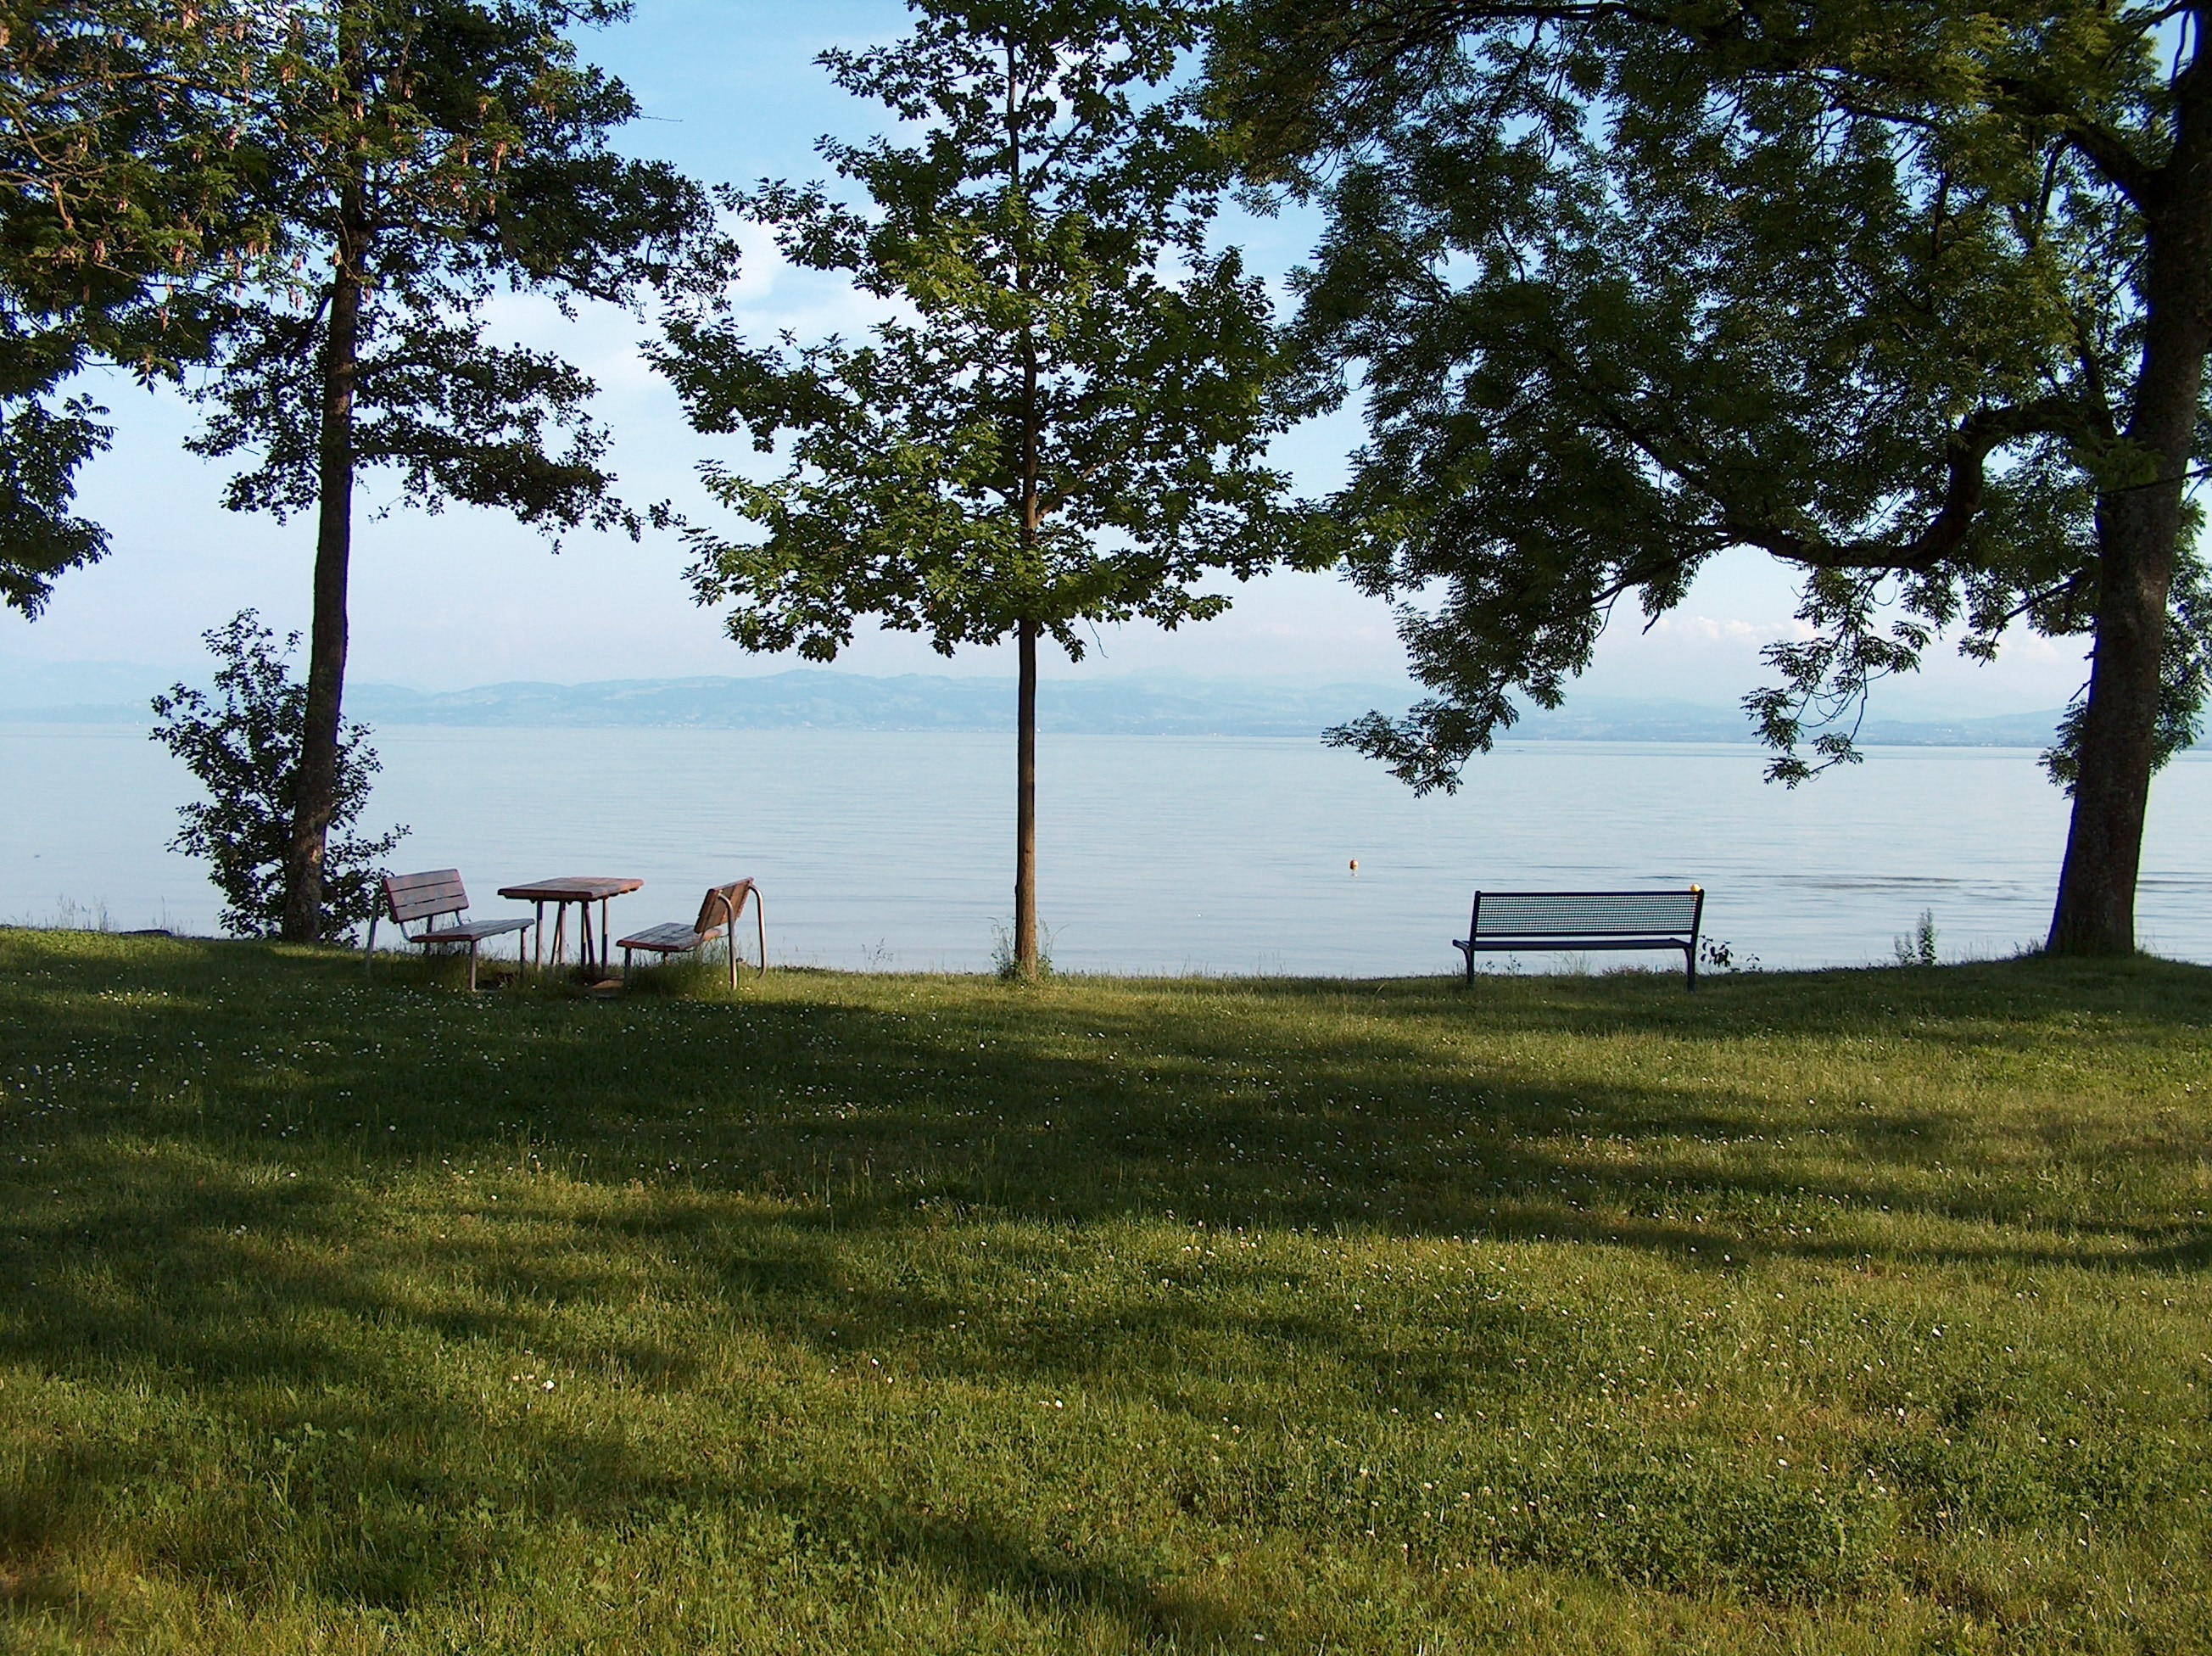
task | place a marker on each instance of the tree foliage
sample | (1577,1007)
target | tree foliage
(1910,296)
(243,744)
(1061,421)
(120,181)
(426,155)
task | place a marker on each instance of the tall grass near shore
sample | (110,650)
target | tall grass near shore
(1850,1312)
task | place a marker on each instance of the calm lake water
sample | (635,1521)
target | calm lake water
(895,850)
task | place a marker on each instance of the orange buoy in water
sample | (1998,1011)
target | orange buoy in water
(1355,865)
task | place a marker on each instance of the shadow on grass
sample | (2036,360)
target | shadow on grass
(252,1175)
(1417,1109)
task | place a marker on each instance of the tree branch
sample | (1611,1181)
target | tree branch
(1963,490)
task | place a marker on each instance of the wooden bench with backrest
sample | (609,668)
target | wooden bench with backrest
(718,917)
(1586,920)
(432,897)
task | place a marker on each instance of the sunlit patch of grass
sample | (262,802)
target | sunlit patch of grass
(1858,1310)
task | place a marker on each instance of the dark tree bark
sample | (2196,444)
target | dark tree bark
(2139,535)
(1031,509)
(1026,907)
(2096,906)
(316,798)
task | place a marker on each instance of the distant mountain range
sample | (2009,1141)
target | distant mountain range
(822,698)
(819,699)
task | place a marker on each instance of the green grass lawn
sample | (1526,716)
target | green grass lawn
(1850,1312)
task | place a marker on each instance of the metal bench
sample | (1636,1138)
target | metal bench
(718,917)
(437,894)
(1586,920)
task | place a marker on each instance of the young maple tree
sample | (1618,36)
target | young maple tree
(1913,298)
(1065,420)
(423,155)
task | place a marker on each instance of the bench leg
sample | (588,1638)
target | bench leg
(1689,968)
(625,968)
(472,965)
(368,949)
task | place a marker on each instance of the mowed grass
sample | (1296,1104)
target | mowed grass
(1850,1312)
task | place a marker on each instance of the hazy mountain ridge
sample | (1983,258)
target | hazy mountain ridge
(819,699)
(823,698)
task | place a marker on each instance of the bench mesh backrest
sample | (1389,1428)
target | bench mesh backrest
(1584,914)
(419,896)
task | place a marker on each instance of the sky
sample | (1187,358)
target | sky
(730,92)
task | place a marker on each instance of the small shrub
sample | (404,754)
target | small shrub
(244,749)
(1718,954)
(1918,946)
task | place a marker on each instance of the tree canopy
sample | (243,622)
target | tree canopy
(119,183)
(1912,297)
(1062,419)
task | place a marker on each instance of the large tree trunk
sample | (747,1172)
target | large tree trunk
(315,793)
(2139,527)
(1026,911)
(2096,909)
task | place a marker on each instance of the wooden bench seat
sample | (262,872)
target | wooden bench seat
(1586,920)
(718,917)
(434,897)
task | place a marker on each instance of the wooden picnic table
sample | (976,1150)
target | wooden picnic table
(582,890)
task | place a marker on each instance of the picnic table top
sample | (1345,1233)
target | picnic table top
(571,888)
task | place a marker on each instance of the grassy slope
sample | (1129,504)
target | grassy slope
(1853,1311)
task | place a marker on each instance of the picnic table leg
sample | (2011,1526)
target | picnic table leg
(602,933)
(537,937)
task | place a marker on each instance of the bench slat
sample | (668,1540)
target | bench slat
(719,904)
(469,931)
(414,896)
(674,938)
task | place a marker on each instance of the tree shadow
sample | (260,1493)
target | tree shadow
(275,1193)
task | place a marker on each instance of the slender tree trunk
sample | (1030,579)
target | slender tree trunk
(2138,537)
(315,796)
(1026,908)
(1026,955)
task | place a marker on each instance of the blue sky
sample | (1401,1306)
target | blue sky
(731,92)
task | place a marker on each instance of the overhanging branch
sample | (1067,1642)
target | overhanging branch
(1965,488)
